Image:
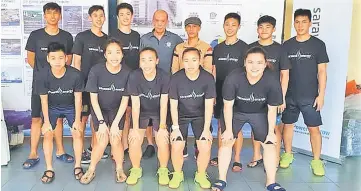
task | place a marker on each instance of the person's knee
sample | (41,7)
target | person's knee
(178,146)
(314,131)
(36,121)
(115,141)
(203,146)
(48,136)
(162,142)
(77,135)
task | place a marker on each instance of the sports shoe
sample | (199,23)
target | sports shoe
(163,176)
(286,160)
(85,158)
(318,168)
(177,179)
(185,152)
(105,154)
(202,180)
(149,152)
(135,174)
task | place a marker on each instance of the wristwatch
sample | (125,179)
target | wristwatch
(101,121)
(175,127)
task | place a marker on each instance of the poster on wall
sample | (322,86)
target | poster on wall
(18,19)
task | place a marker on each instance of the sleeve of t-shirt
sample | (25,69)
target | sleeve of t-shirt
(322,56)
(214,55)
(79,83)
(92,83)
(142,44)
(274,95)
(211,88)
(69,44)
(78,45)
(179,40)
(165,84)
(229,88)
(31,43)
(133,84)
(173,89)
(285,63)
(41,84)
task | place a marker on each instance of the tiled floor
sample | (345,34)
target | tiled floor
(297,178)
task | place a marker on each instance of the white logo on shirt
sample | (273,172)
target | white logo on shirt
(251,98)
(112,88)
(272,60)
(192,95)
(60,91)
(44,49)
(299,55)
(228,59)
(149,95)
(130,47)
(168,44)
(96,49)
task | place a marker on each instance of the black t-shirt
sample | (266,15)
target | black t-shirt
(130,43)
(228,57)
(252,98)
(109,87)
(304,57)
(91,49)
(275,56)
(60,90)
(190,94)
(38,43)
(149,92)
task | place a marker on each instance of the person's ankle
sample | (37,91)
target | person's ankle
(33,155)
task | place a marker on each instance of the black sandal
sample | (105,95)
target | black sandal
(49,179)
(258,162)
(238,165)
(77,175)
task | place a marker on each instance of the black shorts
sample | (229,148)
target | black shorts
(312,118)
(55,113)
(86,104)
(218,108)
(35,106)
(197,124)
(258,122)
(145,122)
(109,116)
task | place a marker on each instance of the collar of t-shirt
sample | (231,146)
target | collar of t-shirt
(166,33)
(186,45)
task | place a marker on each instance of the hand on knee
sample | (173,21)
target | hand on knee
(77,134)
(49,135)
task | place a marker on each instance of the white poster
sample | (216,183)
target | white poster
(324,18)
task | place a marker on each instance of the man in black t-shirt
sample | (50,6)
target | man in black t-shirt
(60,89)
(306,90)
(228,56)
(36,48)
(280,63)
(88,51)
(192,93)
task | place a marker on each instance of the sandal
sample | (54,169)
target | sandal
(237,167)
(275,187)
(219,185)
(30,163)
(120,177)
(65,158)
(80,173)
(87,177)
(214,161)
(258,162)
(49,179)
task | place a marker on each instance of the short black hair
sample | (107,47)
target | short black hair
(111,41)
(149,49)
(302,12)
(56,47)
(260,50)
(51,6)
(95,8)
(233,16)
(266,19)
(191,49)
(125,6)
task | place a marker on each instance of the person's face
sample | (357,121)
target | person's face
(148,61)
(125,17)
(57,59)
(52,16)
(255,64)
(191,62)
(97,18)
(231,27)
(302,25)
(113,54)
(192,30)
(160,22)
(265,31)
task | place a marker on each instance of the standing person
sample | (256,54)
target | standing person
(60,89)
(148,87)
(164,42)
(36,48)
(108,95)
(228,56)
(251,96)
(88,51)
(309,58)
(130,41)
(280,67)
(192,92)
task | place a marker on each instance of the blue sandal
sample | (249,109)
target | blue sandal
(66,158)
(31,163)
(275,187)
(219,185)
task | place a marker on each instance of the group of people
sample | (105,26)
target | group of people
(134,86)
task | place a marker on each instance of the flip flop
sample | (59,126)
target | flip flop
(31,162)
(275,187)
(258,162)
(49,179)
(65,158)
(219,185)
(214,161)
(237,167)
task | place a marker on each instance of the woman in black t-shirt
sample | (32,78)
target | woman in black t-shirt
(250,96)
